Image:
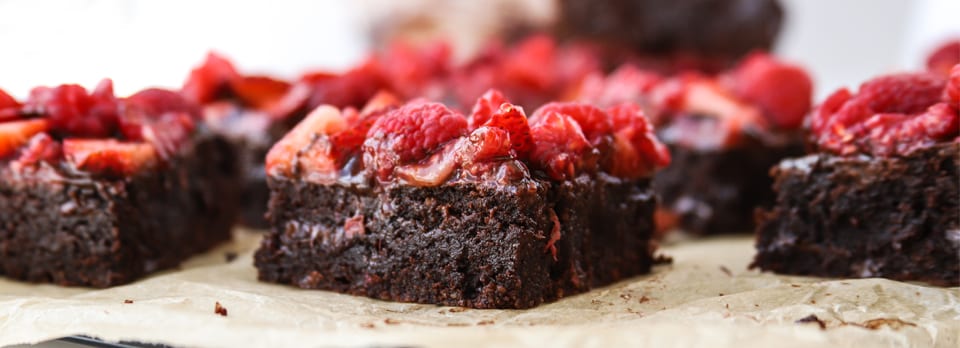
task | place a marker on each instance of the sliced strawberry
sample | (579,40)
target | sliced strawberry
(353,88)
(9,107)
(284,157)
(409,133)
(210,80)
(156,101)
(559,145)
(784,92)
(14,134)
(110,157)
(485,107)
(259,92)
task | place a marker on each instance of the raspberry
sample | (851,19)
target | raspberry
(109,157)
(409,70)
(953,87)
(593,121)
(559,145)
(944,58)
(352,88)
(511,119)
(700,113)
(626,84)
(14,134)
(409,133)
(485,107)
(890,115)
(74,112)
(487,143)
(210,81)
(531,63)
(781,90)
(637,151)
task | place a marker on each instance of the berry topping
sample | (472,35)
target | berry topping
(488,104)
(511,119)
(110,157)
(210,80)
(889,115)
(593,121)
(953,86)
(409,133)
(559,145)
(9,107)
(700,113)
(14,134)
(352,88)
(637,150)
(944,58)
(259,92)
(626,84)
(160,117)
(781,90)
(40,148)
(74,112)
(290,155)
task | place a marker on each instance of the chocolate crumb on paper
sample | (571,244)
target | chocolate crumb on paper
(220,309)
(726,271)
(128,301)
(812,319)
(230,256)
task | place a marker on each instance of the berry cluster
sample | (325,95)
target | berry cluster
(424,143)
(95,131)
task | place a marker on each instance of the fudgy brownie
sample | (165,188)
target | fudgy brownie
(706,35)
(724,133)
(418,203)
(99,191)
(881,197)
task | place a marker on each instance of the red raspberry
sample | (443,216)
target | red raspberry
(781,90)
(637,151)
(626,84)
(210,81)
(531,64)
(485,107)
(73,112)
(408,134)
(890,115)
(953,87)
(512,119)
(559,145)
(410,71)
(593,121)
(486,143)
(352,88)
(944,58)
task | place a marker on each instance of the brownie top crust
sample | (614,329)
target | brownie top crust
(95,134)
(422,143)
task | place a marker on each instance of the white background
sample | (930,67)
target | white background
(154,43)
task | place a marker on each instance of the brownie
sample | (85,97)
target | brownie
(715,191)
(498,214)
(75,229)
(100,196)
(864,216)
(714,32)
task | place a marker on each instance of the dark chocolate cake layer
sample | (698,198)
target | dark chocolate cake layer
(72,229)
(891,217)
(717,191)
(478,245)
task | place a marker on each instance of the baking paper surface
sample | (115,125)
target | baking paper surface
(707,297)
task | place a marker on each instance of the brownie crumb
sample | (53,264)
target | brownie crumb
(644,299)
(726,271)
(128,301)
(812,319)
(893,323)
(390,321)
(367,325)
(625,296)
(485,322)
(458,309)
(230,256)
(220,309)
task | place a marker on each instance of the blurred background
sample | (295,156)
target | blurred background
(155,43)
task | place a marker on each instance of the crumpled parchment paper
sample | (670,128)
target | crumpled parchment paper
(707,297)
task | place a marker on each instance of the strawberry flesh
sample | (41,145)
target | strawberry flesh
(110,157)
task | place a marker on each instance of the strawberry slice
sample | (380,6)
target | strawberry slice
(291,154)
(40,148)
(110,157)
(15,134)
(259,92)
(944,58)
(9,107)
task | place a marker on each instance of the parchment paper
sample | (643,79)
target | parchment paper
(706,297)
